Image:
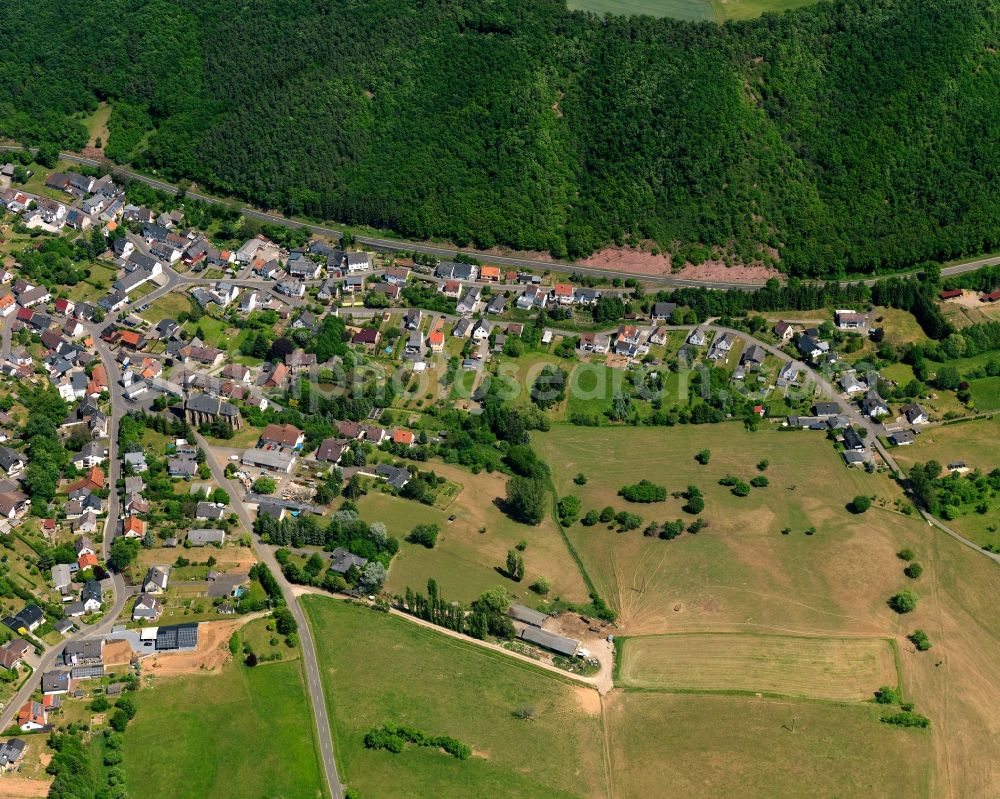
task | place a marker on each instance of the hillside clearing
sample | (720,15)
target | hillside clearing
(469,549)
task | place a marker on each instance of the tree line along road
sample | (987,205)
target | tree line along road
(397,245)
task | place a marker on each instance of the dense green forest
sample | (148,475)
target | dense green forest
(855,136)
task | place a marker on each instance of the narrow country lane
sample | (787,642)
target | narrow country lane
(314,686)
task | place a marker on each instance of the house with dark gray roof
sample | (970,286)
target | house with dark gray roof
(451,270)
(826,409)
(11,752)
(146,606)
(156,580)
(663,310)
(396,476)
(12,461)
(203,537)
(88,652)
(55,682)
(902,438)
(852,440)
(343,560)
(210,510)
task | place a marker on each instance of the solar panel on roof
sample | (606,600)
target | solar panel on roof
(178,636)
(187,636)
(166,638)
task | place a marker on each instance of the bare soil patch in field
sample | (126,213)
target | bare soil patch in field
(117,653)
(211,653)
(590,701)
(641,262)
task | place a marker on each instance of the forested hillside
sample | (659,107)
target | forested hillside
(857,136)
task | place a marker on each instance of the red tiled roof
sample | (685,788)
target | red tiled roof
(86,560)
(285,434)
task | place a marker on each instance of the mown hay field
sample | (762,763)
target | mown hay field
(801,666)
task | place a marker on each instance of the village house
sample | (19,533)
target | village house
(810,347)
(282,435)
(436,340)
(784,331)
(497,305)
(532,297)
(850,384)
(403,437)
(237,372)
(412,319)
(396,275)
(451,270)
(204,537)
(849,320)
(662,311)
(366,337)
(873,405)
(32,716)
(12,462)
(395,476)
(12,653)
(208,356)
(914,413)
(470,302)
(147,607)
(299,361)
(156,580)
(562,293)
(133,527)
(331,450)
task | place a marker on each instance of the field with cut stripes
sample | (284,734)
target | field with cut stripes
(813,667)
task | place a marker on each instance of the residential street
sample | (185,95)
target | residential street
(120,595)
(313,684)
